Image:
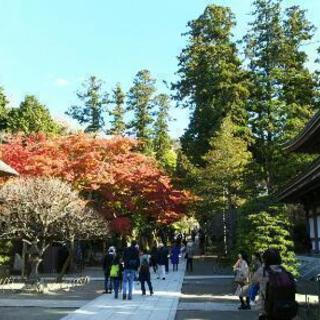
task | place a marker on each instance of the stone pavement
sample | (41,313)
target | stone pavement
(161,306)
(208,294)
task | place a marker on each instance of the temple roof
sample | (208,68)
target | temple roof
(302,185)
(6,170)
(308,141)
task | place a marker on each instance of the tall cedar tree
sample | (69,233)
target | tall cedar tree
(31,117)
(211,82)
(162,143)
(118,125)
(283,89)
(94,107)
(140,102)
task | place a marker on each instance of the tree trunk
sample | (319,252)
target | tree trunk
(69,262)
(35,261)
(24,254)
(64,268)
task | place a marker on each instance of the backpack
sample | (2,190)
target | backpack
(114,271)
(280,295)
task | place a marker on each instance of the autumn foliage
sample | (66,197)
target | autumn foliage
(120,181)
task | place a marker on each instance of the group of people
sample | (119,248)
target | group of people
(135,264)
(265,277)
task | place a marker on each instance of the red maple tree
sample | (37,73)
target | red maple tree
(120,181)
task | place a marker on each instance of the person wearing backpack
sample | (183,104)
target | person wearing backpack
(144,275)
(277,288)
(108,258)
(131,262)
(189,256)
(116,274)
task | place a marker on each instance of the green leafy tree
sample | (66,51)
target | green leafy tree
(31,117)
(93,108)
(162,143)
(211,80)
(281,98)
(140,99)
(118,125)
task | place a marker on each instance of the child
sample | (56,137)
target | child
(144,276)
(116,274)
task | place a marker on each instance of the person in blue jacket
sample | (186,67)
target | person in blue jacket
(175,253)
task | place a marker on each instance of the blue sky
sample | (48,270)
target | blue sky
(49,47)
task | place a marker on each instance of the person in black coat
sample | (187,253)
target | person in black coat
(106,265)
(131,262)
(154,259)
(144,276)
(162,259)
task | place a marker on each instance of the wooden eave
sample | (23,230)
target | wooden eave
(308,141)
(302,185)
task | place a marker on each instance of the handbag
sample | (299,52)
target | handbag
(240,278)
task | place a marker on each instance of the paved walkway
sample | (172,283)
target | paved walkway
(161,306)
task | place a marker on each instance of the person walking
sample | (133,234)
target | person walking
(154,258)
(131,262)
(189,256)
(175,253)
(166,256)
(162,257)
(116,271)
(144,275)
(241,269)
(106,265)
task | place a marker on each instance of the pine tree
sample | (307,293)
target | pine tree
(94,107)
(162,142)
(118,125)
(140,102)
(211,82)
(263,225)
(31,117)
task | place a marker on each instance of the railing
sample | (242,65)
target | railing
(310,309)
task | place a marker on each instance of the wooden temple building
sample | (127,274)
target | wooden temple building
(305,188)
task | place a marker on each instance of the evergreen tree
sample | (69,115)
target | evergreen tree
(3,110)
(94,107)
(31,117)
(118,125)
(298,83)
(162,143)
(283,89)
(264,224)
(211,82)
(221,181)
(140,102)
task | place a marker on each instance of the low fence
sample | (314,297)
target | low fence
(44,285)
